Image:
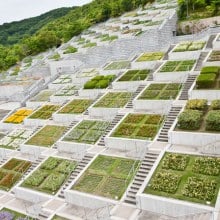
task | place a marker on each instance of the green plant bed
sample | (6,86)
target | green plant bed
(208,78)
(139,126)
(118,65)
(189,46)
(67,91)
(99,82)
(87,132)
(47,136)
(214,56)
(186,177)
(42,96)
(50,176)
(77,106)
(161,91)
(177,66)
(12,172)
(114,100)
(200,117)
(90,44)
(134,75)
(150,56)
(107,176)
(44,112)
(64,79)
(55,57)
(70,49)
(9,214)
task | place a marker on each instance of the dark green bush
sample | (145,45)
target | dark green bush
(210,69)
(206,80)
(190,120)
(213,121)
(110,77)
(102,84)
(99,82)
(90,85)
(215,105)
(97,78)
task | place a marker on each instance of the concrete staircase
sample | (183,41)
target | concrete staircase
(174,111)
(187,85)
(115,121)
(80,166)
(134,95)
(141,175)
(210,40)
(200,60)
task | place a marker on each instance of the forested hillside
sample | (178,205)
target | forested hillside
(63,29)
(11,33)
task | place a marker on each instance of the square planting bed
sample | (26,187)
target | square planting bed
(11,172)
(117,66)
(147,60)
(82,77)
(15,138)
(41,115)
(9,214)
(191,50)
(44,138)
(157,97)
(207,84)
(175,71)
(107,107)
(135,132)
(72,110)
(213,59)
(50,176)
(96,85)
(186,177)
(40,99)
(107,177)
(83,136)
(198,124)
(131,79)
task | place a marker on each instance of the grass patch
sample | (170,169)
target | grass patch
(150,56)
(47,136)
(42,96)
(134,75)
(118,65)
(177,66)
(107,176)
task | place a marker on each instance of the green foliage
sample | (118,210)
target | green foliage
(210,69)
(197,104)
(205,81)
(215,105)
(190,120)
(99,82)
(70,49)
(213,121)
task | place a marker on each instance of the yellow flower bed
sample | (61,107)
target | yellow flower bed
(19,116)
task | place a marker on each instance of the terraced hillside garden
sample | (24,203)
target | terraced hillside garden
(186,177)
(11,172)
(50,176)
(114,100)
(87,131)
(139,126)
(107,176)
(47,136)
(161,91)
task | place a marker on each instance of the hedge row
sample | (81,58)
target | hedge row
(99,82)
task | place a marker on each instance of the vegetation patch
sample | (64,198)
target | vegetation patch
(77,106)
(11,172)
(161,91)
(214,56)
(107,176)
(134,75)
(19,116)
(99,82)
(150,56)
(67,91)
(42,96)
(51,175)
(87,131)
(139,126)
(44,112)
(47,136)
(189,46)
(178,66)
(114,100)
(182,176)
(118,65)
(70,49)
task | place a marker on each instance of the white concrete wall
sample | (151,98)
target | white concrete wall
(66,118)
(60,99)
(32,149)
(90,93)
(35,122)
(33,105)
(204,94)
(189,55)
(104,113)
(130,86)
(86,200)
(143,65)
(178,77)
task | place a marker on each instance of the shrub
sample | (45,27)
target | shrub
(99,82)
(190,120)
(90,85)
(197,104)
(210,69)
(156,86)
(215,105)
(102,84)
(97,78)
(213,121)
(206,80)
